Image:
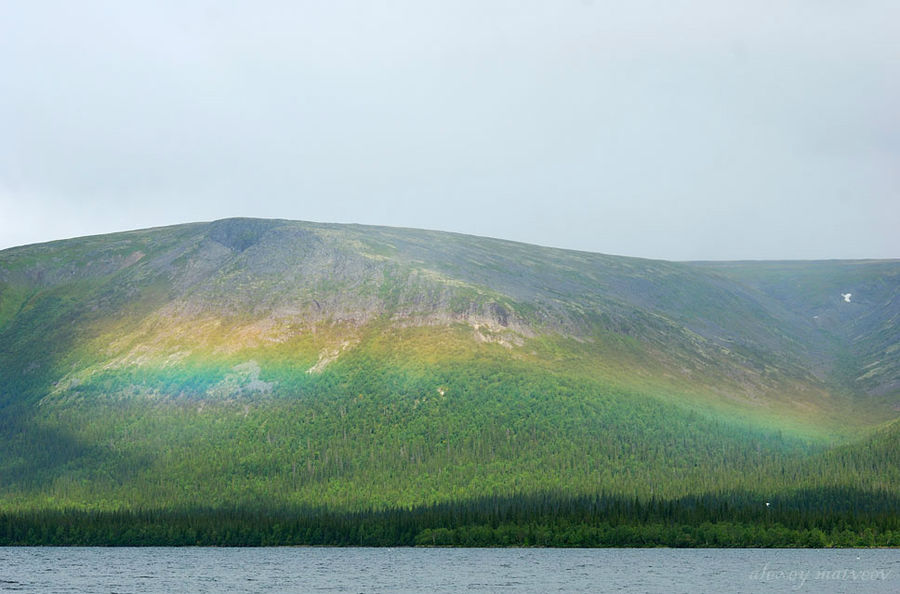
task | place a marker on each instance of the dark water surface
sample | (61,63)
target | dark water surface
(302,569)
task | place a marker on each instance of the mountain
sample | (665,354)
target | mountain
(281,363)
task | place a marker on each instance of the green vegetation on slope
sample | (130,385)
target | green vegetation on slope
(325,375)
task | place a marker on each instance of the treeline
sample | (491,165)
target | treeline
(361,436)
(804,519)
(395,439)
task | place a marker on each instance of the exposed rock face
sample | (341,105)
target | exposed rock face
(239,234)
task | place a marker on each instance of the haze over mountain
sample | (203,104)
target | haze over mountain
(272,361)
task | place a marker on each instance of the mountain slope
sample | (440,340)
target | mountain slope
(851,309)
(263,360)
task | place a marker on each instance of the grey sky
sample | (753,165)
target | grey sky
(670,129)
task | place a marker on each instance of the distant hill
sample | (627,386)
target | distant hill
(272,362)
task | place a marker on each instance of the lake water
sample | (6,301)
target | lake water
(302,569)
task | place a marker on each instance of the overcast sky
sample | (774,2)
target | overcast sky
(679,130)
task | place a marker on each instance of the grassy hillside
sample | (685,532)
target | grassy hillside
(284,365)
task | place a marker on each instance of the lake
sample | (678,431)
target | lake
(306,569)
